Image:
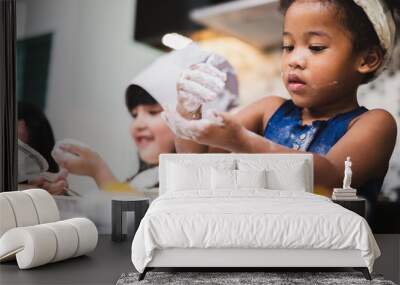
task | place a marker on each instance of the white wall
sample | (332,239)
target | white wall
(92,59)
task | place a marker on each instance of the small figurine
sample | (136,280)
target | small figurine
(347,192)
(347,174)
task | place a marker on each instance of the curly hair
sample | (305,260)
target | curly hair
(354,19)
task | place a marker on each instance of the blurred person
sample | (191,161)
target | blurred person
(34,130)
(146,96)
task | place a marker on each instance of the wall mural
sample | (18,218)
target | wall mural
(89,138)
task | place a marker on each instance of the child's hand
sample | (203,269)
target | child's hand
(83,160)
(224,132)
(221,130)
(197,85)
(55,186)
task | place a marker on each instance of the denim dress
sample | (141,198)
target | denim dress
(285,128)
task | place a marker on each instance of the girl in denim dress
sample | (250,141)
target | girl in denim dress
(329,49)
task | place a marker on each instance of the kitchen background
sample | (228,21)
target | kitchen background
(75,58)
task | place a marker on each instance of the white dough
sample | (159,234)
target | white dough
(213,83)
(60,155)
(197,90)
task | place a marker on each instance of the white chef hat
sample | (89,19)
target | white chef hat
(160,78)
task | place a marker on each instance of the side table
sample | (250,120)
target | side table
(357,205)
(120,206)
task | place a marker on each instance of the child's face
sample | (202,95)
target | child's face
(318,63)
(150,133)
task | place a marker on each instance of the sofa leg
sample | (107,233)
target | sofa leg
(364,271)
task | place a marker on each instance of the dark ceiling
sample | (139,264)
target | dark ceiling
(154,18)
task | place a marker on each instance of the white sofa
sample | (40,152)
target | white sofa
(31,231)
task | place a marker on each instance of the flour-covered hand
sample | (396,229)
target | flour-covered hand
(219,129)
(199,84)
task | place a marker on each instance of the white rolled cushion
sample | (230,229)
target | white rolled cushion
(223,179)
(33,246)
(23,208)
(87,234)
(67,240)
(281,174)
(251,178)
(46,207)
(7,218)
(40,244)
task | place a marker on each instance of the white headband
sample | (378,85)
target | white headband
(382,20)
